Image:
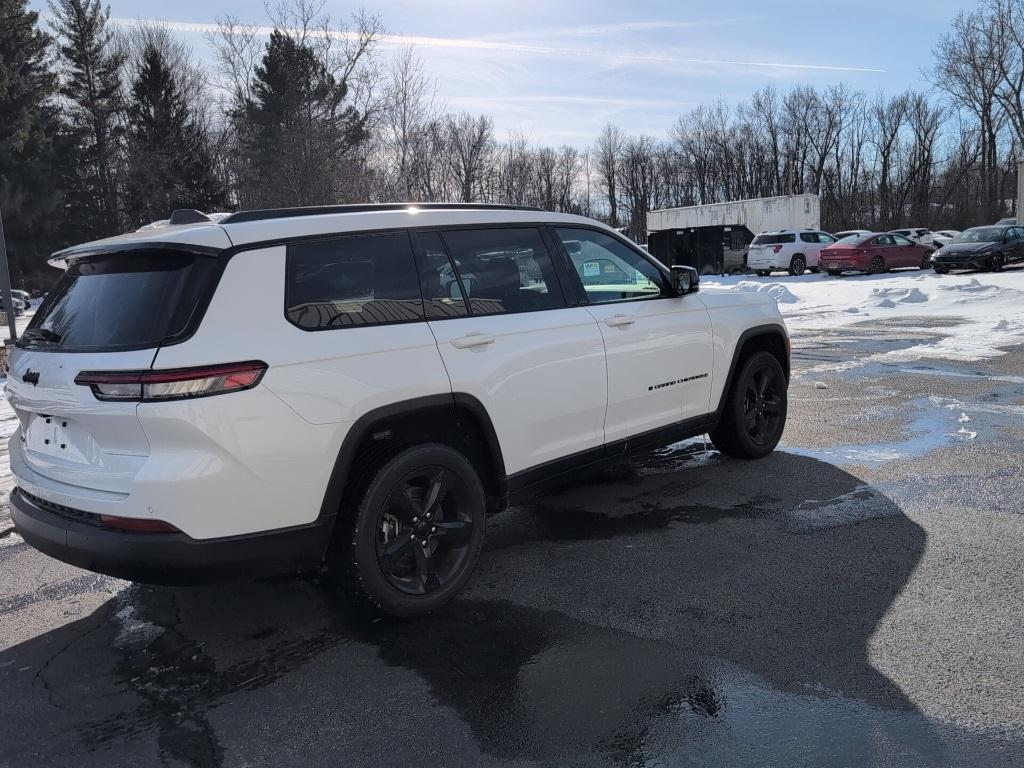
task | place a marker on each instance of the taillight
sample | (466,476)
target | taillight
(173,384)
(776,248)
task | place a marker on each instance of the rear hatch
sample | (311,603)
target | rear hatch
(108,312)
(764,247)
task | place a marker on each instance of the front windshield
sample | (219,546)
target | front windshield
(980,235)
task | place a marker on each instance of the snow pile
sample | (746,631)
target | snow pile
(777,291)
(890,297)
(972,316)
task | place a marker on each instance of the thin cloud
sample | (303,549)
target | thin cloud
(496,46)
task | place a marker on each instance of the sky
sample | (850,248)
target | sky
(558,70)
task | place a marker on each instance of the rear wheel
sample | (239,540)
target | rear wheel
(755,411)
(926,261)
(877,266)
(414,540)
(996,262)
(797,266)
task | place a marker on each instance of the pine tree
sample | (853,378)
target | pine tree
(296,134)
(29,198)
(169,163)
(91,88)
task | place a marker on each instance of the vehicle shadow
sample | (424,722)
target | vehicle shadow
(680,609)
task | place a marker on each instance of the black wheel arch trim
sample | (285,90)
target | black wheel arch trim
(767,329)
(365,424)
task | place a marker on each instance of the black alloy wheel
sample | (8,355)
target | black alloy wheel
(424,530)
(797,266)
(754,415)
(877,266)
(996,262)
(926,261)
(763,405)
(415,538)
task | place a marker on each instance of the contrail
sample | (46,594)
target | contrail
(458,43)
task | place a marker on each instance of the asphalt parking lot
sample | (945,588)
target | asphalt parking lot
(855,599)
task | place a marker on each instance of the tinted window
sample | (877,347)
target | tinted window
(359,280)
(1016,234)
(122,301)
(808,237)
(609,269)
(981,235)
(442,293)
(774,239)
(504,270)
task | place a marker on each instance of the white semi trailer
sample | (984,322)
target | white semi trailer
(714,237)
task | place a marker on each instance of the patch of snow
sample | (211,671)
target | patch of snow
(980,314)
(777,291)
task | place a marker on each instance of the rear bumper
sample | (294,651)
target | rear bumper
(165,558)
(843,265)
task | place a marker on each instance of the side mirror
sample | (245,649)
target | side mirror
(684,280)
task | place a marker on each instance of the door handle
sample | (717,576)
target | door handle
(472,340)
(620,321)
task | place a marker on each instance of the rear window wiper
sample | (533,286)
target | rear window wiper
(42,334)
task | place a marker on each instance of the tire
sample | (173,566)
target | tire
(377,556)
(996,262)
(877,266)
(735,434)
(798,265)
(926,261)
(940,270)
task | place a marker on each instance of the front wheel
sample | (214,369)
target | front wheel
(940,269)
(754,416)
(414,540)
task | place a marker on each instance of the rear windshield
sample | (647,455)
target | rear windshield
(774,239)
(121,301)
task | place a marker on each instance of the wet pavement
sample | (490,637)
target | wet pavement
(854,599)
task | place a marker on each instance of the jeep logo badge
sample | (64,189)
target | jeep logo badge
(31,377)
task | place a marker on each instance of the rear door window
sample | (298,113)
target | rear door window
(352,281)
(809,237)
(123,301)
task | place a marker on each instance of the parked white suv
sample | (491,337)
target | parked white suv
(360,385)
(790,250)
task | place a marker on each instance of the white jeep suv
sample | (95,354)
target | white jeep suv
(790,250)
(360,385)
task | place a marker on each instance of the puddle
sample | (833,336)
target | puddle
(937,422)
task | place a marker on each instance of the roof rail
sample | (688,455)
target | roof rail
(319,210)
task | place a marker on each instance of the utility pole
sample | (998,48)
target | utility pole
(5,284)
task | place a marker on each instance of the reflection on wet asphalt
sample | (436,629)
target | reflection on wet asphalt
(678,609)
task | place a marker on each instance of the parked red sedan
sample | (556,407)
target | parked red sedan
(873,254)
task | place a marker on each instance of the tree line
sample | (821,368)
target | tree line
(103,130)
